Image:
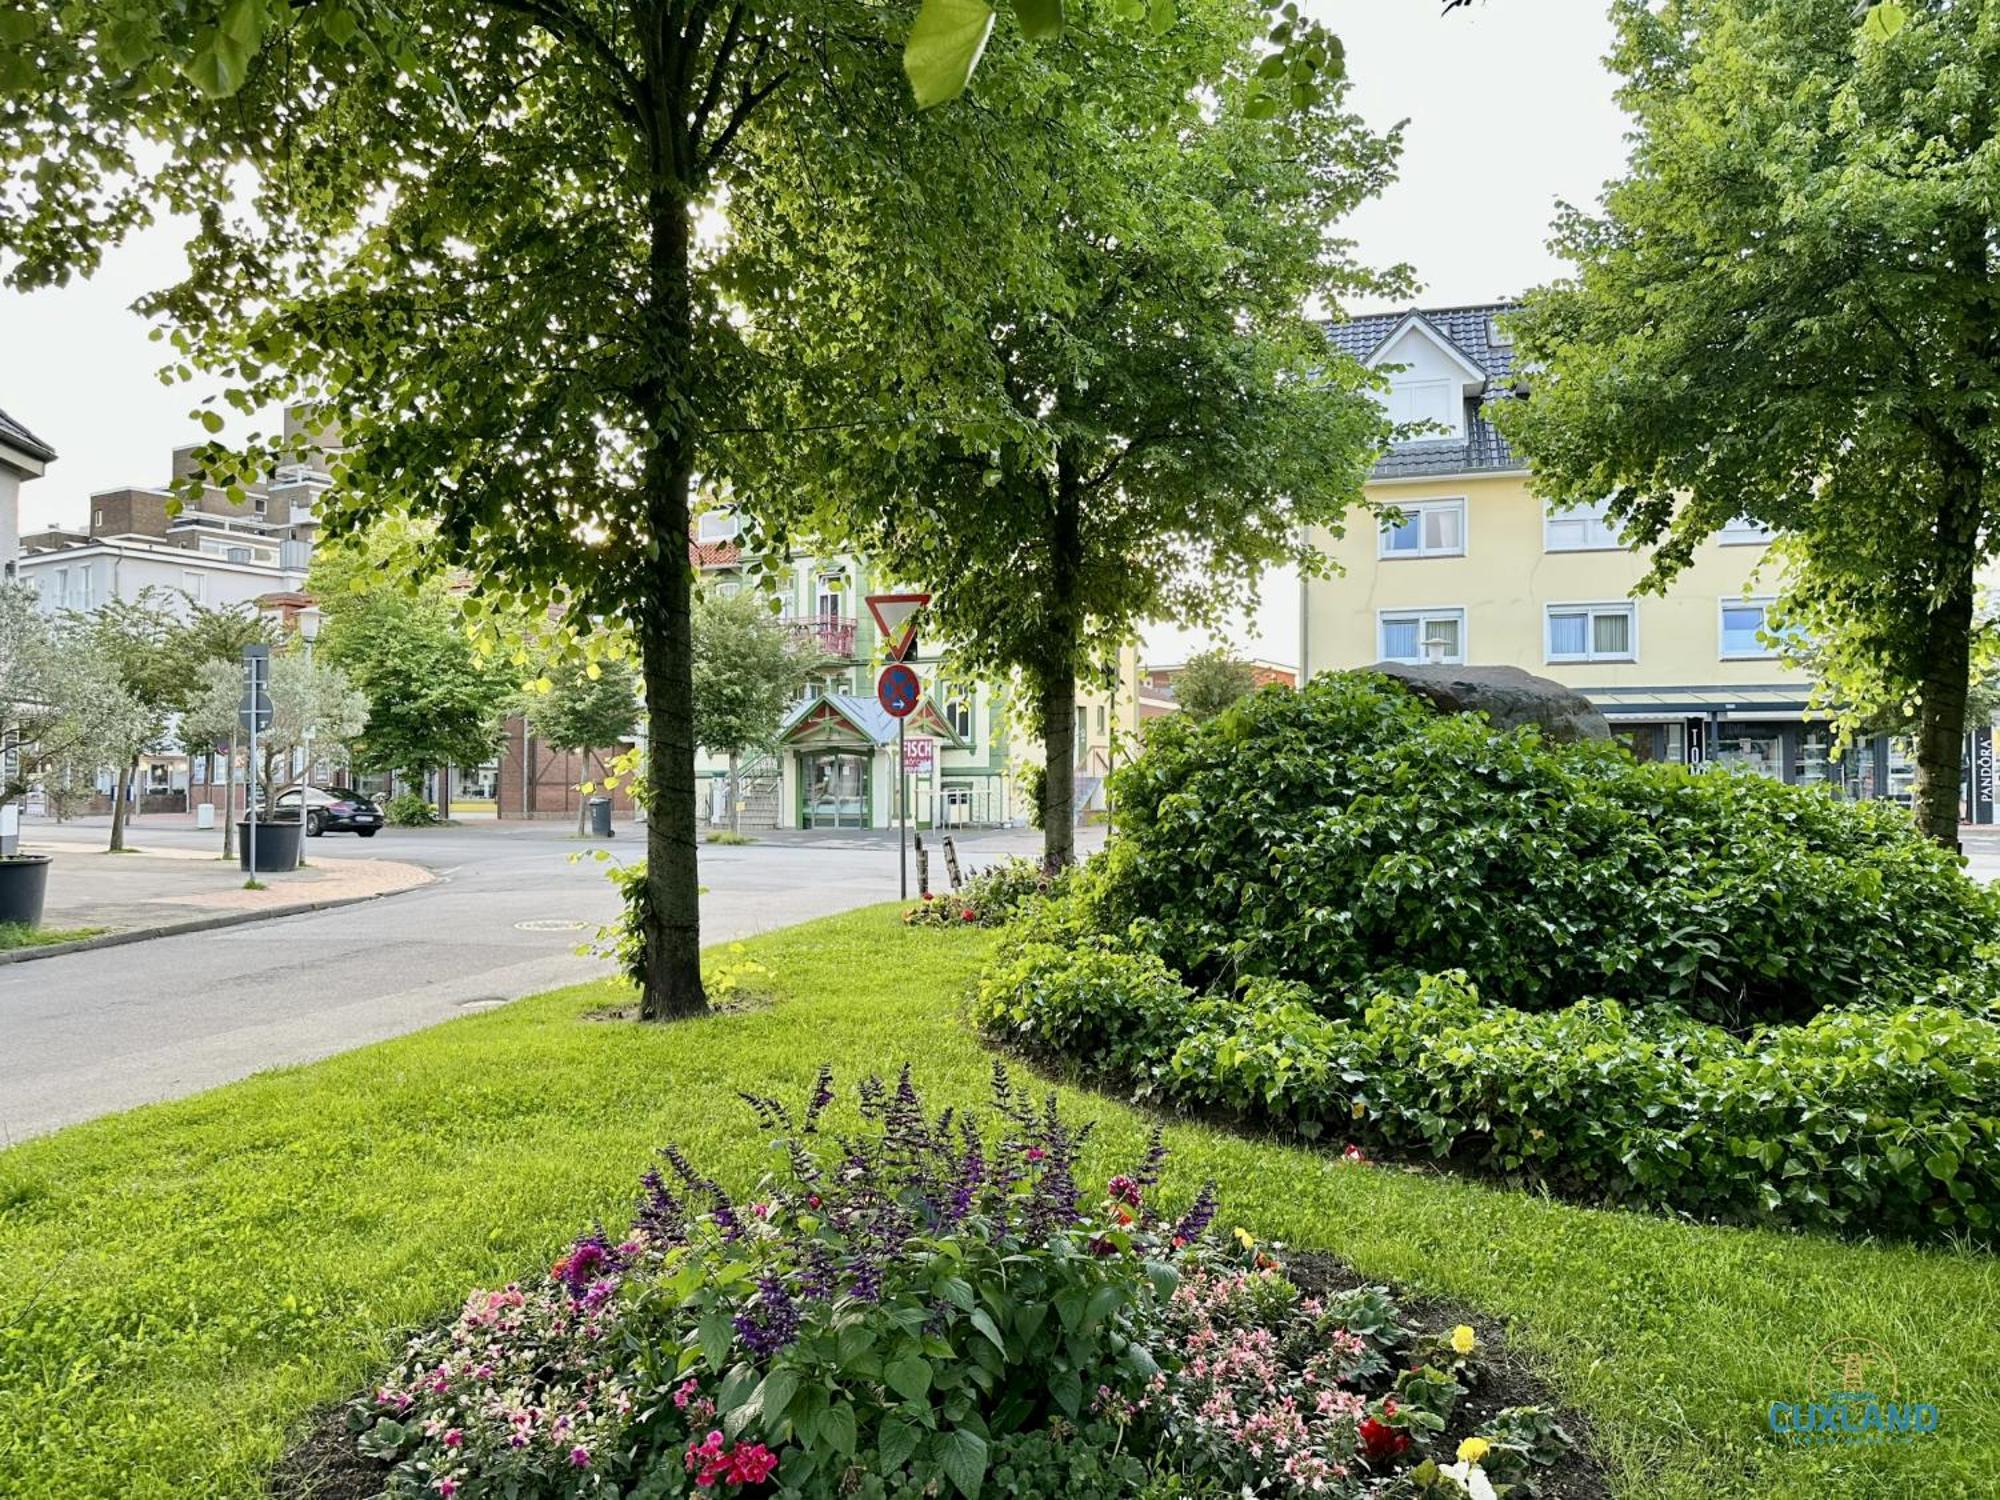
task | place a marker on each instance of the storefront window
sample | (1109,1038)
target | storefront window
(836,789)
(1758,751)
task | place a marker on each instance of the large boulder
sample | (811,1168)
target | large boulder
(1508,696)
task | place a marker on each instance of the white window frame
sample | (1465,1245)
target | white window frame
(1423,616)
(1416,510)
(731,522)
(1551,518)
(1590,612)
(1744,532)
(195,585)
(1722,606)
(1452,425)
(840,584)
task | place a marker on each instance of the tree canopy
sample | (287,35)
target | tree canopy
(1211,681)
(1787,309)
(1166,414)
(64,710)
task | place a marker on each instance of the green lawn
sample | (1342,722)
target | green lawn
(14,935)
(181,1284)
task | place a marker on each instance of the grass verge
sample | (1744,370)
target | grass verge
(184,1283)
(14,935)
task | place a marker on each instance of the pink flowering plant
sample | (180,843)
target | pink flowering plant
(930,1305)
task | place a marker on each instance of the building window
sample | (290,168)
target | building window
(717,526)
(1081,744)
(1103,722)
(1744,532)
(84,600)
(195,586)
(1580,528)
(1428,402)
(1423,635)
(258,503)
(1592,632)
(99,522)
(831,593)
(728,588)
(1429,528)
(957,709)
(1743,624)
(237,554)
(62,588)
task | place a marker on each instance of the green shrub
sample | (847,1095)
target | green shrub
(408,809)
(1344,835)
(1857,1120)
(991,897)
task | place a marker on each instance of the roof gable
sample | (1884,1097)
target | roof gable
(1422,327)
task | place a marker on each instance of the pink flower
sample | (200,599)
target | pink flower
(454,1439)
(751,1463)
(1355,1155)
(579,1457)
(446,1486)
(685,1394)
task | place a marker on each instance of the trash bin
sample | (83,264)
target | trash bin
(599,809)
(277,845)
(204,815)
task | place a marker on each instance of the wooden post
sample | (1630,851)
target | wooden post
(951,862)
(923,868)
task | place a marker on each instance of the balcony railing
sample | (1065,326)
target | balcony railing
(823,633)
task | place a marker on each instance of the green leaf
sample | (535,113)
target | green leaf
(983,1321)
(898,1441)
(1067,1388)
(716,1336)
(837,1428)
(17,26)
(211,421)
(1160,16)
(1943,1165)
(909,1376)
(962,1454)
(944,47)
(774,1395)
(1041,20)
(1883,21)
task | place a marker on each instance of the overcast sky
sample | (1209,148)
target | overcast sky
(1509,109)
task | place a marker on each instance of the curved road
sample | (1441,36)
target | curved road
(88,1033)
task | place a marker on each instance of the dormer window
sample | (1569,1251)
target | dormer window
(1433,402)
(717,526)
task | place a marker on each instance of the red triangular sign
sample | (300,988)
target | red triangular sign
(896,617)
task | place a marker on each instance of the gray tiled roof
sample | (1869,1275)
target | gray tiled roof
(14,435)
(1469,331)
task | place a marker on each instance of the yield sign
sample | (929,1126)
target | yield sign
(896,617)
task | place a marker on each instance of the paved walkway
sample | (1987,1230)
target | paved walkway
(172,885)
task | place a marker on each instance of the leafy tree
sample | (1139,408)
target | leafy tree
(142,639)
(433,702)
(210,719)
(1170,417)
(1211,681)
(312,702)
(588,708)
(1787,310)
(748,669)
(64,712)
(471,247)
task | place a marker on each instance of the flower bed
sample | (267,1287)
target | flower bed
(931,1307)
(991,897)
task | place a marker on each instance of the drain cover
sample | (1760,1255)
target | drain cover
(551,924)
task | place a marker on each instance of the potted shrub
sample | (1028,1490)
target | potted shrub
(61,704)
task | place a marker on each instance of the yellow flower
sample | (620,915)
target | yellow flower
(1473,1449)
(1245,1238)
(1463,1339)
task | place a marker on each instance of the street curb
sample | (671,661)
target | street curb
(202,924)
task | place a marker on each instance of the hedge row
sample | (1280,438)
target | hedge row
(1862,1121)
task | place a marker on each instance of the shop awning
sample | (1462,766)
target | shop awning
(1765,701)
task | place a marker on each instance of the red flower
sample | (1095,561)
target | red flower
(969,915)
(1379,1440)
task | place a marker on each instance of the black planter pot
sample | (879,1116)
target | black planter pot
(277,846)
(24,881)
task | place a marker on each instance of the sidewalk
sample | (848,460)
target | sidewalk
(178,889)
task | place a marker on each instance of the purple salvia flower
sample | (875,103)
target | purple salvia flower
(1201,1213)
(822,1096)
(775,1322)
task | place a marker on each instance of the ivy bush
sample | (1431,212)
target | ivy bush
(931,1308)
(1711,994)
(1345,833)
(1858,1120)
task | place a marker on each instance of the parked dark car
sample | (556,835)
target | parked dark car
(332,809)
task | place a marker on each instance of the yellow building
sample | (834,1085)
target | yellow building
(1478,571)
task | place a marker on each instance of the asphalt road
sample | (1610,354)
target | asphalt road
(88,1033)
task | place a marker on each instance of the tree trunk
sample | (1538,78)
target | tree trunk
(122,785)
(1056,684)
(1947,667)
(583,798)
(735,793)
(671,917)
(444,793)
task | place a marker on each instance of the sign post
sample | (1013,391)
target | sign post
(255,715)
(899,691)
